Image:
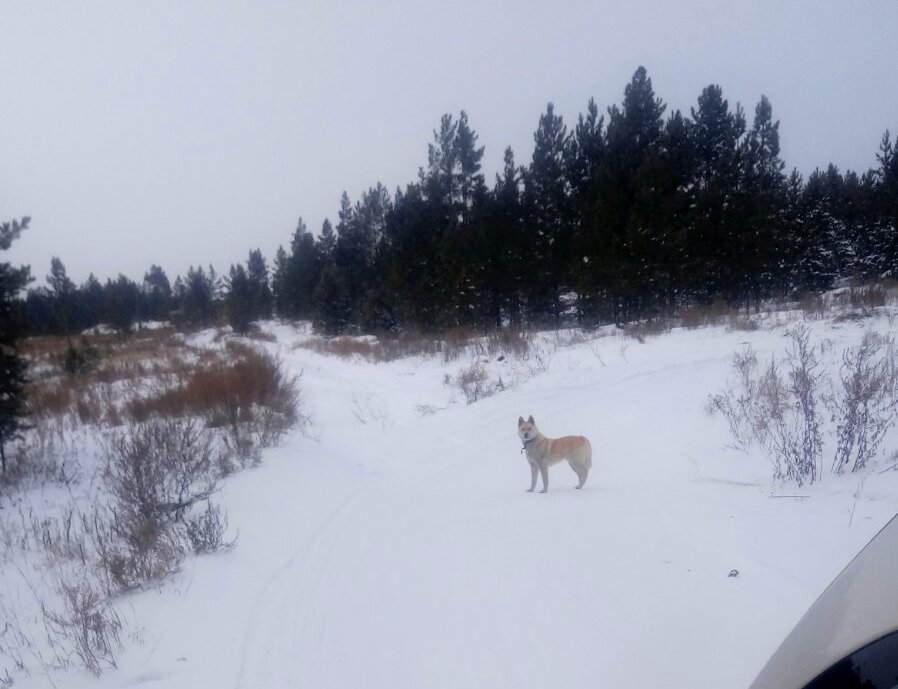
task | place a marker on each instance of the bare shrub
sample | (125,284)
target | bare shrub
(640,330)
(509,341)
(256,333)
(812,305)
(344,347)
(49,398)
(15,644)
(205,531)
(867,297)
(804,379)
(155,472)
(46,454)
(693,316)
(778,412)
(698,315)
(89,406)
(738,322)
(864,407)
(249,396)
(86,626)
(474,382)
(737,403)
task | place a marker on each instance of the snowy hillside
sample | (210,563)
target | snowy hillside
(394,544)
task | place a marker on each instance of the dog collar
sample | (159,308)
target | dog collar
(526,443)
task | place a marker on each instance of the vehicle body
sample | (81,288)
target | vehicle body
(849,637)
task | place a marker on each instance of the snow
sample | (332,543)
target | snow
(395,548)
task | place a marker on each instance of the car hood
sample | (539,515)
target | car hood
(857,608)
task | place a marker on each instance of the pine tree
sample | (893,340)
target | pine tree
(500,250)
(279,283)
(763,189)
(713,241)
(359,232)
(122,302)
(548,221)
(63,292)
(617,229)
(12,366)
(91,301)
(586,163)
(413,279)
(158,293)
(468,179)
(327,240)
(239,299)
(302,274)
(887,190)
(257,274)
(442,157)
(197,300)
(815,266)
(333,310)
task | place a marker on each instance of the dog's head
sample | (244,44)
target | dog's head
(526,429)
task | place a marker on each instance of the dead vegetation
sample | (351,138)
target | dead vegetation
(780,406)
(449,346)
(170,420)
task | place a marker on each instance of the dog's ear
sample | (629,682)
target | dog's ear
(531,421)
(520,421)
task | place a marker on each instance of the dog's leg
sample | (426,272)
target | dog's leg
(544,472)
(533,472)
(580,471)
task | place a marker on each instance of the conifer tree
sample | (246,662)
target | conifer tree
(92,301)
(763,191)
(12,366)
(197,300)
(713,240)
(548,223)
(887,188)
(327,240)
(122,299)
(257,275)
(239,299)
(302,274)
(158,292)
(500,250)
(63,293)
(279,283)
(618,232)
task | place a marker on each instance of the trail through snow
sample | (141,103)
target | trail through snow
(399,550)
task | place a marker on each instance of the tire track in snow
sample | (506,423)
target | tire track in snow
(266,632)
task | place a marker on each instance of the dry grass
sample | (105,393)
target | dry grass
(812,305)
(225,391)
(449,346)
(700,315)
(640,330)
(245,393)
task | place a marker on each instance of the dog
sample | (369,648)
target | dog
(543,452)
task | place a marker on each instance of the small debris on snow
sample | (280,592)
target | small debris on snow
(733,573)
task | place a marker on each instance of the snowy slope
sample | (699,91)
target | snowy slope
(396,549)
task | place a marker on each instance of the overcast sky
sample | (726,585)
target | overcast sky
(186,132)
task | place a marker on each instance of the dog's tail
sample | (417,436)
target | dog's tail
(588,461)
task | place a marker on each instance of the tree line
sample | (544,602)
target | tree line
(634,212)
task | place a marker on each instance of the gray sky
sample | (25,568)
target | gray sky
(179,133)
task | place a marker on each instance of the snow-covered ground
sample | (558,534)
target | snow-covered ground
(396,546)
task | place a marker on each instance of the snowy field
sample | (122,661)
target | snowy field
(395,546)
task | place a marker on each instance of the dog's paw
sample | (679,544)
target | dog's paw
(529,490)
